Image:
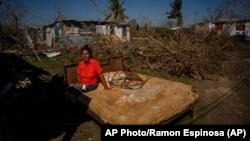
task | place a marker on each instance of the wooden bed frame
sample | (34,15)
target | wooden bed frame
(115,64)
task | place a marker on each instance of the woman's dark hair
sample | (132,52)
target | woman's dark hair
(86,47)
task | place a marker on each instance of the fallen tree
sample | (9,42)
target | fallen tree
(192,54)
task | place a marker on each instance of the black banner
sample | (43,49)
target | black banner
(164,132)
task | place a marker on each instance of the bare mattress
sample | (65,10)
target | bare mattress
(150,100)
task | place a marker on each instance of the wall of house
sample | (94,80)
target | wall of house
(122,32)
(40,37)
(235,31)
(102,29)
(247,28)
(49,36)
(231,28)
(211,26)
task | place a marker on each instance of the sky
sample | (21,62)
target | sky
(43,12)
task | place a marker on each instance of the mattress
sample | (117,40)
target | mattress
(147,100)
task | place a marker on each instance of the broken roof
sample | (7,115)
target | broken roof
(76,23)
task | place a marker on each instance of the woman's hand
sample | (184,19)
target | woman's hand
(107,88)
(103,82)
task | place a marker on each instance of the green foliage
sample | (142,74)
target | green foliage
(176,12)
(117,12)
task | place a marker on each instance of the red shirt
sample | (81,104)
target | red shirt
(89,72)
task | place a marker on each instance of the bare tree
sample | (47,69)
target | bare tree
(236,9)
(12,15)
(60,16)
(103,12)
(229,9)
(213,14)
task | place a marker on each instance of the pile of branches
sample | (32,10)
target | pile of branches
(192,54)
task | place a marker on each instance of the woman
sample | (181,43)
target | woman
(89,74)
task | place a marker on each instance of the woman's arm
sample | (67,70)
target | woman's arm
(101,77)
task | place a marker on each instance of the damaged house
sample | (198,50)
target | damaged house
(72,33)
(234,27)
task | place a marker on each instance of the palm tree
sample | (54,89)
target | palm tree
(176,12)
(117,12)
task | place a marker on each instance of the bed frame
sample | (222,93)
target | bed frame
(114,64)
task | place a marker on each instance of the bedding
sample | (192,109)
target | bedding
(147,100)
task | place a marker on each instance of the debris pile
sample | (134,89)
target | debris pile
(199,55)
(108,39)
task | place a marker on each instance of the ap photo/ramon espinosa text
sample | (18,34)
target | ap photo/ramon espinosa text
(240,133)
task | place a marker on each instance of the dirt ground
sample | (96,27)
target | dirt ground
(226,99)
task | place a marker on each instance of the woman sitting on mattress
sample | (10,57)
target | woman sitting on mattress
(89,72)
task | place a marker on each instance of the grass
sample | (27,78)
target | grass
(143,72)
(187,118)
(51,65)
(156,73)
(180,79)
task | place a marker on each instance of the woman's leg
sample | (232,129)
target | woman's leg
(73,92)
(92,87)
(76,91)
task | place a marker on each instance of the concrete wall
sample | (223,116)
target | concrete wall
(247,28)
(122,32)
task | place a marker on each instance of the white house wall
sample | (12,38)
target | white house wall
(247,28)
(108,30)
(70,30)
(119,30)
(211,26)
(49,36)
(128,34)
(232,29)
(102,29)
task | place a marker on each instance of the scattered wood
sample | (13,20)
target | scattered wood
(161,44)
